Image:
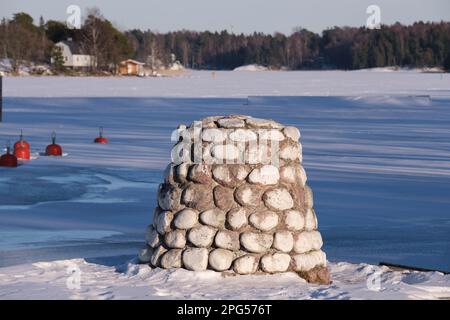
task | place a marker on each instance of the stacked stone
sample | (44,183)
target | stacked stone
(237,209)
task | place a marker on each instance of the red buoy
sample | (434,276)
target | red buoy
(8,159)
(22,148)
(101,139)
(53,149)
(21,143)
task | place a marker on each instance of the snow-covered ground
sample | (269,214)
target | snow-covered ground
(376,149)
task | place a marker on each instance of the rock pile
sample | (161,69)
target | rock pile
(235,198)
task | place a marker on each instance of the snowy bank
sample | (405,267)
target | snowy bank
(99,279)
(251,67)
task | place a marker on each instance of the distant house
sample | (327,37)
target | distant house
(73,55)
(131,67)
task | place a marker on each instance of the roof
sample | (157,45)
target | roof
(74,47)
(131,61)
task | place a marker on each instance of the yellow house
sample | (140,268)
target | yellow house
(131,67)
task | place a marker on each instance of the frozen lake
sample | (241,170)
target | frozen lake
(377,157)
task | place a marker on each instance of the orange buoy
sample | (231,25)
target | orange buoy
(53,149)
(22,148)
(8,159)
(21,143)
(101,139)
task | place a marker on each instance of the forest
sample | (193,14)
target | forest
(412,46)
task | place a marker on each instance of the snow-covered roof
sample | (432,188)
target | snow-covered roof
(131,61)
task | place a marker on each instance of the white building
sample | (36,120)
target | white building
(73,55)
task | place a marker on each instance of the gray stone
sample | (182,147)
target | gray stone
(237,218)
(214,135)
(175,239)
(243,135)
(277,262)
(310,220)
(226,239)
(171,259)
(308,261)
(264,220)
(256,242)
(278,199)
(247,195)
(294,220)
(186,219)
(223,198)
(156,256)
(246,264)
(195,259)
(220,259)
(231,123)
(198,196)
(145,254)
(169,197)
(274,135)
(202,236)
(292,133)
(164,221)
(265,175)
(200,173)
(263,123)
(213,217)
(152,237)
(283,241)
(290,152)
(230,175)
(307,241)
(293,174)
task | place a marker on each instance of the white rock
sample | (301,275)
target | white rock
(213,217)
(175,239)
(263,123)
(246,264)
(307,261)
(290,152)
(266,175)
(145,254)
(293,174)
(171,259)
(257,153)
(294,220)
(168,197)
(278,199)
(227,239)
(156,256)
(256,242)
(247,195)
(264,220)
(214,135)
(181,152)
(283,241)
(292,133)
(195,259)
(307,241)
(243,135)
(310,220)
(274,135)
(181,172)
(186,219)
(309,200)
(220,259)
(277,262)
(231,123)
(202,236)
(152,237)
(225,152)
(164,221)
(237,218)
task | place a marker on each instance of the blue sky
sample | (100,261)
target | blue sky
(237,15)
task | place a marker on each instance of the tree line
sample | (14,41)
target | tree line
(417,45)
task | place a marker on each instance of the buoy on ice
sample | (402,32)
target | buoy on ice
(53,149)
(22,148)
(8,159)
(101,139)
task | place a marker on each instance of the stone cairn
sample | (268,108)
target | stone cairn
(235,198)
